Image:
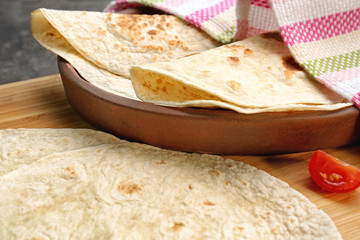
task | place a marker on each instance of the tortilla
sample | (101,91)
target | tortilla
(135,191)
(249,76)
(20,147)
(102,47)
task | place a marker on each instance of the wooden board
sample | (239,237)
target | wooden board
(37,103)
(41,103)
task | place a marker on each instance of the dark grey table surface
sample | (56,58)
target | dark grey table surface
(21,57)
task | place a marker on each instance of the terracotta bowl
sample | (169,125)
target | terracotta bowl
(209,131)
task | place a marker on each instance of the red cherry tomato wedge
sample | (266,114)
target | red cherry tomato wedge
(332,174)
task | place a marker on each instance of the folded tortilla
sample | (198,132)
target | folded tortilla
(250,76)
(20,147)
(103,47)
(129,190)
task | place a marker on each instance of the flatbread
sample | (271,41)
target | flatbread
(249,76)
(20,147)
(102,47)
(135,191)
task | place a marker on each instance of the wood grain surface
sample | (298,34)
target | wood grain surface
(41,103)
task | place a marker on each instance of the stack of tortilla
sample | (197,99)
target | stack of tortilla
(103,47)
(250,76)
(174,64)
(84,184)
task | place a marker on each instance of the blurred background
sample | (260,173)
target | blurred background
(21,57)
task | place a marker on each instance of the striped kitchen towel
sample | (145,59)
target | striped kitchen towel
(216,17)
(323,36)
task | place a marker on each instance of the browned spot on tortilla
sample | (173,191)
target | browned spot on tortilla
(226,183)
(71,170)
(50,34)
(152,32)
(272,35)
(163,18)
(159,26)
(116,45)
(269,68)
(129,188)
(101,31)
(290,65)
(147,85)
(233,59)
(161,162)
(238,229)
(243,183)
(84,13)
(177,227)
(154,58)
(234,48)
(138,26)
(208,203)
(124,21)
(195,95)
(164,90)
(159,81)
(188,55)
(236,86)
(155,48)
(215,172)
(248,52)
(268,213)
(177,43)
(190,187)
(185,48)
